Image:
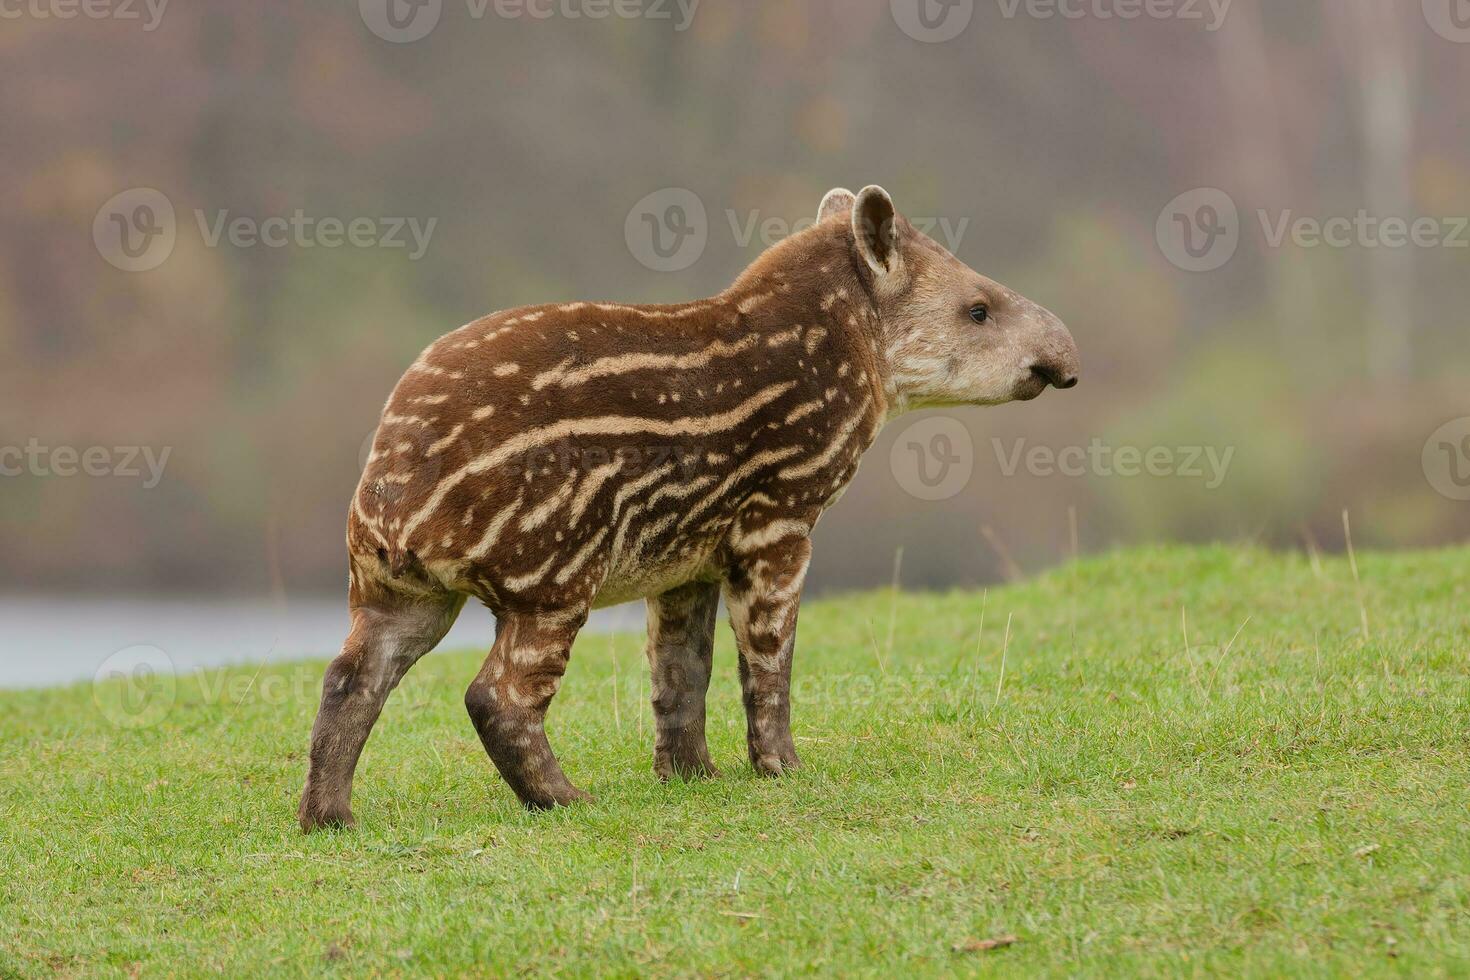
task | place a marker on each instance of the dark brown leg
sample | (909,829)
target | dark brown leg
(387,638)
(762,593)
(508,700)
(681,627)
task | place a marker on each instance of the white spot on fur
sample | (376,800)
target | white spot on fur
(446,442)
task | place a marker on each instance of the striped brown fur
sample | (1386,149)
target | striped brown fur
(549,460)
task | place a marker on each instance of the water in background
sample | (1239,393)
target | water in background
(62,640)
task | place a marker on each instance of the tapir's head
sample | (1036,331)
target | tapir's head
(952,336)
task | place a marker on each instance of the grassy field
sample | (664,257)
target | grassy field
(1193,761)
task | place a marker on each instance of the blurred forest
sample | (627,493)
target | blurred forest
(1058,140)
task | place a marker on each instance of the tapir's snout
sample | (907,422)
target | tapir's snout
(1059,363)
(1057,377)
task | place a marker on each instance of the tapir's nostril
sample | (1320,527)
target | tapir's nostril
(1055,377)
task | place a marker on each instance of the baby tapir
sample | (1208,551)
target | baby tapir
(553,459)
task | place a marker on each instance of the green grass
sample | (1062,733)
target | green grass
(1121,802)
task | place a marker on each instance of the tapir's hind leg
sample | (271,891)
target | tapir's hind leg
(390,632)
(508,699)
(681,638)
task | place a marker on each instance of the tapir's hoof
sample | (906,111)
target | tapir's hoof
(562,796)
(314,818)
(774,764)
(669,768)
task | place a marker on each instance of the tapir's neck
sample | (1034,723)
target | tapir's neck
(809,279)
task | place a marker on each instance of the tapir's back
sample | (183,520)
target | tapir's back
(592,453)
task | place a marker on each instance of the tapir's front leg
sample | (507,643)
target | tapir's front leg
(762,592)
(681,638)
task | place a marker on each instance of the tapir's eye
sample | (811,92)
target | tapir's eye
(979,313)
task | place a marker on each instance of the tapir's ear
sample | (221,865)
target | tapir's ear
(875,227)
(839,200)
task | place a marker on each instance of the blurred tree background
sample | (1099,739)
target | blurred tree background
(1055,141)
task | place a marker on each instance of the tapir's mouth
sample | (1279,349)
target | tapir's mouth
(1033,386)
